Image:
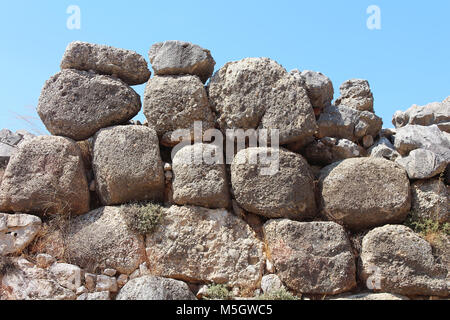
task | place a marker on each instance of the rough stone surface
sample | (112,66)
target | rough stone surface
(67,275)
(383,148)
(76,104)
(404,262)
(198,179)
(356,94)
(278,185)
(329,150)
(17,231)
(178,57)
(44,260)
(271,283)
(347,123)
(413,137)
(433,113)
(124,64)
(106,283)
(430,200)
(311,257)
(373,296)
(155,288)
(379,192)
(176,102)
(319,87)
(95,296)
(6,151)
(127,165)
(202,245)
(100,239)
(27,282)
(45,176)
(259,92)
(423,164)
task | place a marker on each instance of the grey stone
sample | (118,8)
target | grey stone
(76,104)
(329,150)
(356,94)
(311,257)
(17,231)
(430,200)
(271,283)
(155,288)
(379,192)
(95,296)
(203,181)
(274,183)
(124,64)
(178,57)
(423,164)
(127,165)
(45,176)
(383,148)
(401,262)
(367,296)
(319,87)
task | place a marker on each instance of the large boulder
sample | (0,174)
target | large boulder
(28,282)
(329,150)
(155,288)
(311,257)
(399,261)
(76,104)
(17,231)
(200,177)
(430,200)
(101,239)
(423,164)
(127,165)
(379,192)
(319,87)
(127,65)
(274,183)
(258,92)
(347,123)
(434,113)
(178,57)
(201,245)
(356,94)
(431,138)
(45,176)
(176,102)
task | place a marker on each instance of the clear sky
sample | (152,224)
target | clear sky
(406,62)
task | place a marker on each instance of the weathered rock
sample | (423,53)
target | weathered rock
(200,177)
(45,176)
(347,123)
(383,148)
(356,94)
(273,183)
(401,262)
(155,288)
(109,272)
(271,283)
(202,245)
(105,283)
(17,231)
(423,164)
(311,257)
(67,275)
(95,296)
(76,104)
(10,138)
(100,239)
(379,192)
(433,113)
(124,64)
(259,92)
(319,87)
(178,57)
(373,296)
(127,165)
(176,102)
(430,200)
(122,280)
(44,260)
(6,151)
(413,137)
(329,150)
(28,282)
(367,141)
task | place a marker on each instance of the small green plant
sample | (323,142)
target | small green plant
(7,265)
(280,294)
(143,217)
(218,292)
(430,229)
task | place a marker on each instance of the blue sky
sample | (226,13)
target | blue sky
(406,62)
